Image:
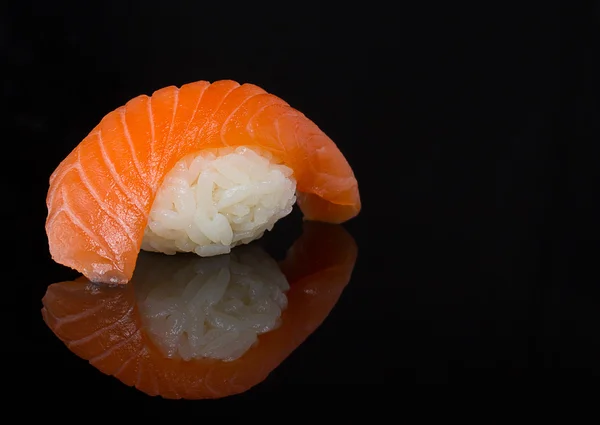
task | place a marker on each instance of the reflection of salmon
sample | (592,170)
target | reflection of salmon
(102,324)
(101,194)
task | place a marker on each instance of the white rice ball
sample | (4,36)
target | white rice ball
(195,308)
(217,199)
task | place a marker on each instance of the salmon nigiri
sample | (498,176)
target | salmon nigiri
(201,168)
(197,327)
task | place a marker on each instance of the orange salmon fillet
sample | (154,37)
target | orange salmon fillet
(102,324)
(101,194)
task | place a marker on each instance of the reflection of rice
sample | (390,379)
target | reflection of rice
(210,307)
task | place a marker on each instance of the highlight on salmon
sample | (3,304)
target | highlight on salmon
(201,168)
(195,328)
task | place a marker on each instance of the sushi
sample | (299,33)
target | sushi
(201,168)
(197,328)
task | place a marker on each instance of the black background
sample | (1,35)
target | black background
(470,130)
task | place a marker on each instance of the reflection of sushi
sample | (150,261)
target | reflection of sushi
(204,327)
(201,169)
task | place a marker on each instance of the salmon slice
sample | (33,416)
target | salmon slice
(102,324)
(101,194)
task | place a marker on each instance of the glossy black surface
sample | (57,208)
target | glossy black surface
(470,131)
